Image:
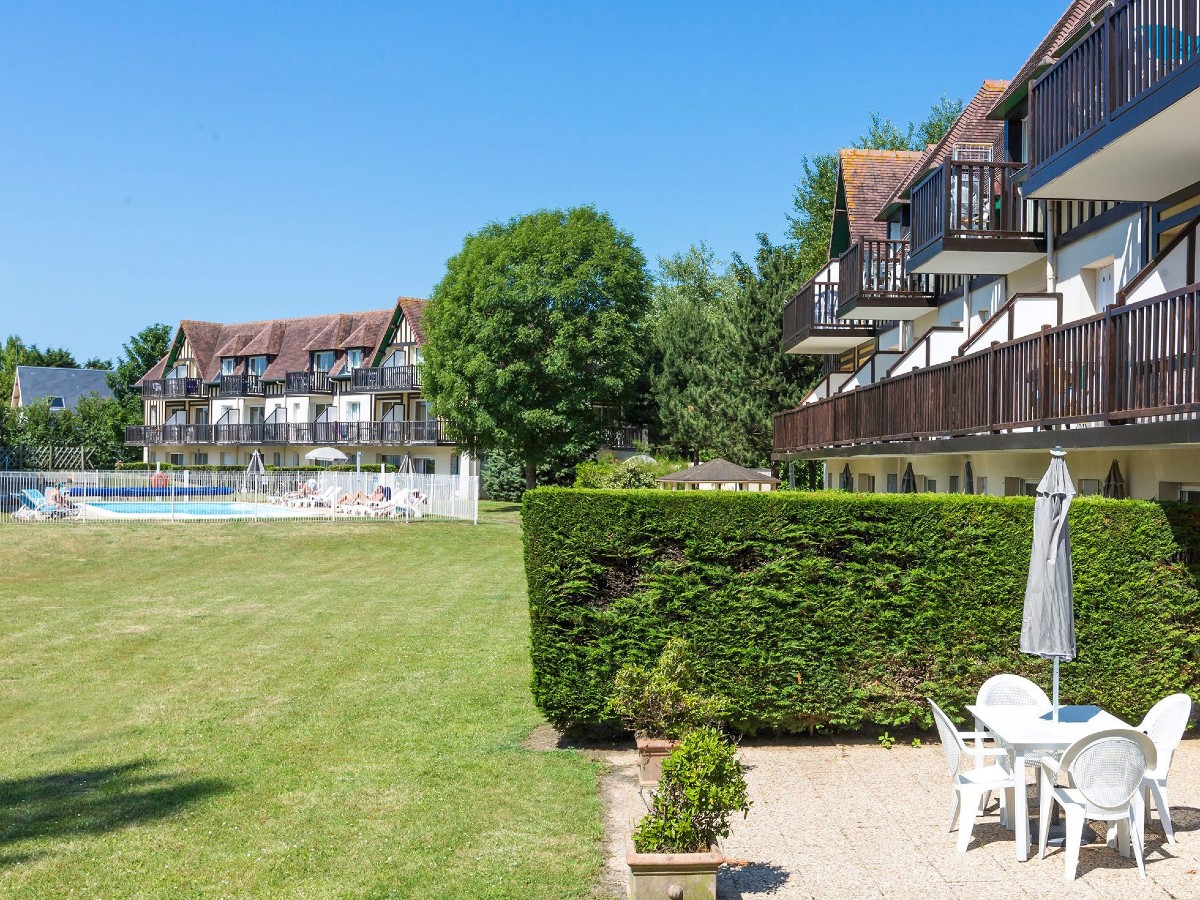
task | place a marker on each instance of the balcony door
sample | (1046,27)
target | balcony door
(200,415)
(322,361)
(255,415)
(396,359)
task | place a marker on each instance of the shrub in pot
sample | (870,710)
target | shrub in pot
(659,705)
(675,844)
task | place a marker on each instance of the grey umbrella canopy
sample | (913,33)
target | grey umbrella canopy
(1114,484)
(908,483)
(968,478)
(1048,622)
(846,483)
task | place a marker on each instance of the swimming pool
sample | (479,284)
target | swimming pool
(191,510)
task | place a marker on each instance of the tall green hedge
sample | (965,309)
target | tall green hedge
(835,609)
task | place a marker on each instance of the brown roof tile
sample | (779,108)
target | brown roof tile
(973,126)
(1076,17)
(869,178)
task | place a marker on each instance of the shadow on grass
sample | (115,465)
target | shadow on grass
(93,801)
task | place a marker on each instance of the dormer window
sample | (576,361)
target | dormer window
(322,361)
(354,359)
(227,365)
(258,365)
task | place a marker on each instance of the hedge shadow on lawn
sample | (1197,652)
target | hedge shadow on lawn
(94,801)
(818,610)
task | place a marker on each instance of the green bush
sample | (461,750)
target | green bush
(701,788)
(503,474)
(848,610)
(663,702)
(625,474)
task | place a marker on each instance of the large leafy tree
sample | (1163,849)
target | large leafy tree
(141,352)
(535,333)
(691,337)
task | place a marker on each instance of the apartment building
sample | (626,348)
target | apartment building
(286,386)
(1039,282)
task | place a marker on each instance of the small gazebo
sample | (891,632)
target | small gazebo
(718,475)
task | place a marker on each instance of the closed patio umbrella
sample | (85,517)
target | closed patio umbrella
(908,483)
(1048,621)
(1114,484)
(968,477)
(846,483)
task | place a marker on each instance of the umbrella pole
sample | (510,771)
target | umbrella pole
(1055,690)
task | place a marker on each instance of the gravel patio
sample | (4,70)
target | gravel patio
(850,819)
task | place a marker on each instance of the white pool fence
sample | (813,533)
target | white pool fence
(182,496)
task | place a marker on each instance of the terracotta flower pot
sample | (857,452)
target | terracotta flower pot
(653,875)
(651,753)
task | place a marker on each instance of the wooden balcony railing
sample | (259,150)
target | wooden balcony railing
(307,383)
(1138,46)
(972,200)
(1126,364)
(299,433)
(874,269)
(240,386)
(172,388)
(387,378)
(813,309)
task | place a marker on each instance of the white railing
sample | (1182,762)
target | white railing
(210,496)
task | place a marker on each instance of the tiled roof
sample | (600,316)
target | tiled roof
(290,341)
(719,471)
(1077,17)
(69,385)
(972,126)
(869,178)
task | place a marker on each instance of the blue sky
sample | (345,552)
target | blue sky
(248,160)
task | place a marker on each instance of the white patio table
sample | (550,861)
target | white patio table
(1022,729)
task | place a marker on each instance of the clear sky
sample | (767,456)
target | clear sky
(236,161)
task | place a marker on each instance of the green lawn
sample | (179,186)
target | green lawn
(288,710)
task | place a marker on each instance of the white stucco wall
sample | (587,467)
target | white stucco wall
(1119,244)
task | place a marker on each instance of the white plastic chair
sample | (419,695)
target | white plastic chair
(1105,774)
(969,787)
(1165,724)
(1012,690)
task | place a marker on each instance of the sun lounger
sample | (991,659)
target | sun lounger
(35,505)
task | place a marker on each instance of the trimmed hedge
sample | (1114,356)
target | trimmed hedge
(848,610)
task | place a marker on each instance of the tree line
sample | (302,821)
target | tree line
(97,423)
(545,324)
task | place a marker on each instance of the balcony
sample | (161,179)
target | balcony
(970,218)
(1136,364)
(1118,116)
(307,383)
(387,378)
(875,285)
(172,389)
(811,325)
(294,433)
(240,386)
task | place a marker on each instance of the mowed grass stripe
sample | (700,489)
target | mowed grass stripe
(284,711)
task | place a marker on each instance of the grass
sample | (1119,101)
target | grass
(296,710)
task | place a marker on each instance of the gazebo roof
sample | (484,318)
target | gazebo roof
(719,471)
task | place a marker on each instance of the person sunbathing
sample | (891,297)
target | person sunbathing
(360,499)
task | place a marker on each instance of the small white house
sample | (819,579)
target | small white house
(718,475)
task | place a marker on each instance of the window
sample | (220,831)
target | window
(200,459)
(227,365)
(295,459)
(296,413)
(354,359)
(423,465)
(255,415)
(258,365)
(175,459)
(893,483)
(200,415)
(275,458)
(931,485)
(353,410)
(1089,487)
(454,464)
(981,485)
(322,361)
(229,459)
(57,404)
(392,459)
(866,483)
(421,410)
(153,456)
(954,484)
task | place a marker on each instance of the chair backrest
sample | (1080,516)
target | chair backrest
(1165,724)
(1011,690)
(952,743)
(1107,767)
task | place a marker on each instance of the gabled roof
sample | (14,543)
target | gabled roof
(972,126)
(68,385)
(867,178)
(719,471)
(288,342)
(1072,23)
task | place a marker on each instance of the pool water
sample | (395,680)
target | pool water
(211,509)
